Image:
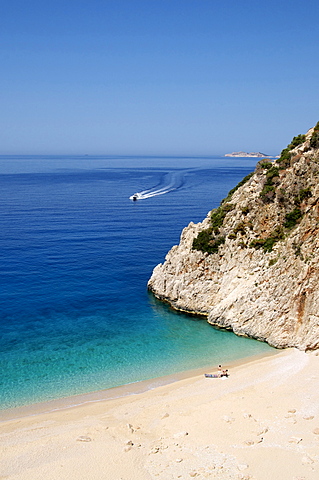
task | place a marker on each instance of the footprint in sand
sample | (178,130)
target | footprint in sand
(84,438)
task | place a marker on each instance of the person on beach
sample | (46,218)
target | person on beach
(220,373)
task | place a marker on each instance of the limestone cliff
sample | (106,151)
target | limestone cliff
(252,264)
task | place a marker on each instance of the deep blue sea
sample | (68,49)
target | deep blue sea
(76,255)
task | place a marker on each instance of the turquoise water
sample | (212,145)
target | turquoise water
(76,257)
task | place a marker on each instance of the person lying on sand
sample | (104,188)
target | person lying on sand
(221,374)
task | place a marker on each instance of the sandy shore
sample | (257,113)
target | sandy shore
(260,423)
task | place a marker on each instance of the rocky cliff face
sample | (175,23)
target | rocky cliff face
(252,264)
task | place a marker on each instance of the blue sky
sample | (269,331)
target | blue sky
(189,77)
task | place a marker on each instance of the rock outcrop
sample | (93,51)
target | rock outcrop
(246,154)
(252,264)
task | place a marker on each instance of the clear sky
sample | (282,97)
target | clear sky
(189,77)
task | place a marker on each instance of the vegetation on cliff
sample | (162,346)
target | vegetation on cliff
(209,240)
(314,141)
(290,203)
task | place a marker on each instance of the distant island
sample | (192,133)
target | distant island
(246,154)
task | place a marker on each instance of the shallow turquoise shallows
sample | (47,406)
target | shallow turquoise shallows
(76,257)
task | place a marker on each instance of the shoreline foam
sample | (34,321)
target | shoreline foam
(112,393)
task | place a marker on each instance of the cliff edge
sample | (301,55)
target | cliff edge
(252,264)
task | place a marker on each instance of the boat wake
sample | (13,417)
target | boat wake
(171,181)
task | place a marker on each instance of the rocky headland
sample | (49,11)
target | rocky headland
(246,154)
(252,265)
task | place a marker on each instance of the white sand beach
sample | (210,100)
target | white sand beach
(260,423)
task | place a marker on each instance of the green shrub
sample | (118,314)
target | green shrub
(314,141)
(268,192)
(284,160)
(302,195)
(233,190)
(305,193)
(205,242)
(218,215)
(297,249)
(265,165)
(272,173)
(278,233)
(267,243)
(285,156)
(257,243)
(298,140)
(217,242)
(292,218)
(245,210)
(228,207)
(281,195)
(240,227)
(273,261)
(202,240)
(217,218)
(285,153)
